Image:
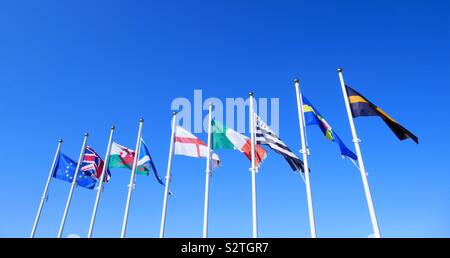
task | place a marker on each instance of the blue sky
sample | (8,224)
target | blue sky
(67,67)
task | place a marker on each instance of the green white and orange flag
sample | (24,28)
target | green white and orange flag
(226,138)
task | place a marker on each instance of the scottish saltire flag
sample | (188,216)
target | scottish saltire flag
(360,106)
(313,117)
(93,165)
(265,136)
(145,162)
(65,170)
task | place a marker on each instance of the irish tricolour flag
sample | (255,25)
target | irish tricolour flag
(226,138)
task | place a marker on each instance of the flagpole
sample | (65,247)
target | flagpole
(133,174)
(100,186)
(362,169)
(166,189)
(72,187)
(44,195)
(253,168)
(208,175)
(305,153)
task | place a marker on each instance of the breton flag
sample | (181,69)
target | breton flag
(188,145)
(123,157)
(93,165)
(264,135)
(226,138)
(313,117)
(360,106)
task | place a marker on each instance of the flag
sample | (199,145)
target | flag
(313,117)
(226,138)
(188,145)
(264,135)
(123,157)
(146,162)
(360,106)
(93,165)
(65,170)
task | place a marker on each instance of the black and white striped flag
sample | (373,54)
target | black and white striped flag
(264,135)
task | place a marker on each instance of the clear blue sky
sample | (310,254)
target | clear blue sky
(67,67)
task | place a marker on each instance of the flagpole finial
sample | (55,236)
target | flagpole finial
(141,120)
(174,113)
(113,127)
(250,93)
(60,140)
(296,80)
(339,70)
(86,134)
(210,103)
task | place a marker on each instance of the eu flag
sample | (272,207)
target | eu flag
(65,170)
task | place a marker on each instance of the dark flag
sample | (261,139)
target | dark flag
(264,135)
(360,106)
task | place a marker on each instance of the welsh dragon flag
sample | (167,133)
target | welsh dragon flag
(123,157)
(226,138)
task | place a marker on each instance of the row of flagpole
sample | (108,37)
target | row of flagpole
(305,153)
(253,169)
(99,188)
(356,141)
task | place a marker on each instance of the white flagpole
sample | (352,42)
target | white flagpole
(362,169)
(253,168)
(166,190)
(44,195)
(208,175)
(100,186)
(305,152)
(133,174)
(72,187)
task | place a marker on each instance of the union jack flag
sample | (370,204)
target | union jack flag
(93,165)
